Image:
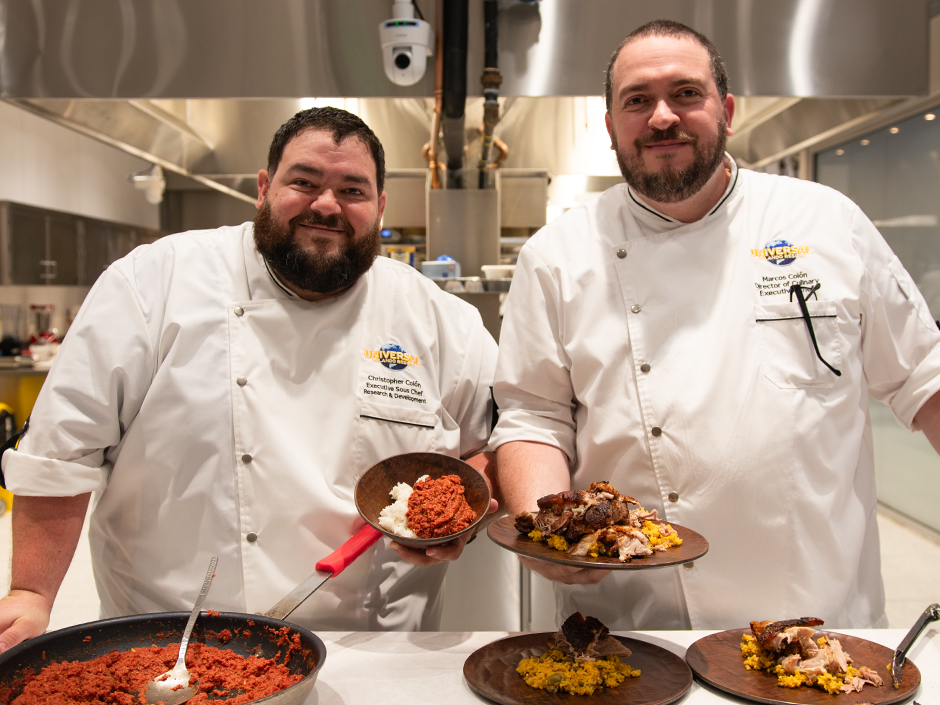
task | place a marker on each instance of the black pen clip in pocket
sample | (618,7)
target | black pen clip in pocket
(801,300)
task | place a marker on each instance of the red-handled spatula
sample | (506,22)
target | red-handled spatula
(329,567)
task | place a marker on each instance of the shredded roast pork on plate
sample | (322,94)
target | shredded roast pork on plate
(592,518)
(800,655)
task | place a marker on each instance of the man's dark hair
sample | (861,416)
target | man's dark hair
(340,123)
(668,28)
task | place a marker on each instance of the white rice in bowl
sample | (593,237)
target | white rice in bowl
(393,518)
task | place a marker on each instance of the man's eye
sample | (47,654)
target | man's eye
(354,192)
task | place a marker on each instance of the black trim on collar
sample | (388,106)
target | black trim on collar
(274,279)
(727,195)
(647,208)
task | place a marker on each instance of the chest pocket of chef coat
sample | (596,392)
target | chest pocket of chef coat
(788,357)
(386,430)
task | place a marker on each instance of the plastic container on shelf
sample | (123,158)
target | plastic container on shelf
(444,267)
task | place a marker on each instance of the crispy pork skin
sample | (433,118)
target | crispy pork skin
(765,631)
(586,639)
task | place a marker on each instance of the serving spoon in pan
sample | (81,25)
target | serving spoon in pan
(173,687)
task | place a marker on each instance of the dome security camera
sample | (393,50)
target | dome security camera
(406,44)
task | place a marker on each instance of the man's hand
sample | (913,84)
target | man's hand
(45,533)
(563,573)
(23,615)
(527,471)
(435,554)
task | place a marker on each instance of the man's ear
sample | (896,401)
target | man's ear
(728,106)
(382,198)
(264,183)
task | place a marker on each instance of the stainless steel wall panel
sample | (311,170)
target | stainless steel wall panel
(296,48)
(464,223)
(522,200)
(405,206)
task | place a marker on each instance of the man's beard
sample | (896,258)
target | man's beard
(311,270)
(671,185)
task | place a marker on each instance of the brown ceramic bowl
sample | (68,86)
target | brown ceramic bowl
(372,490)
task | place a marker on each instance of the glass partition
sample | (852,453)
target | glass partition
(893,174)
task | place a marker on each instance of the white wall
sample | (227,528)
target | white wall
(46,165)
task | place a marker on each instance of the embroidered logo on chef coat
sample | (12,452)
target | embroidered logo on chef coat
(781,253)
(393,357)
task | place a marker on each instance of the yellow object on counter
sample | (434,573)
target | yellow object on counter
(6,500)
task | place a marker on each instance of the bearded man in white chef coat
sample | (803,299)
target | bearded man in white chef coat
(214,395)
(706,338)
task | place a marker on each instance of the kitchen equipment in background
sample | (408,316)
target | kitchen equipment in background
(7,423)
(402,253)
(444,267)
(389,235)
(498,271)
(44,342)
(11,322)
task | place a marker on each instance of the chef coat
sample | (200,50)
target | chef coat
(670,359)
(214,413)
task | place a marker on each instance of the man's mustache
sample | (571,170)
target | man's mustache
(669,135)
(314,219)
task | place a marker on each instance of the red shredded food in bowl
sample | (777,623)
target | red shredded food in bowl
(121,676)
(438,508)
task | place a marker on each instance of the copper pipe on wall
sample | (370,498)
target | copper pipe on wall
(491,80)
(430,150)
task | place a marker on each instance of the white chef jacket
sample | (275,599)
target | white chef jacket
(669,359)
(214,413)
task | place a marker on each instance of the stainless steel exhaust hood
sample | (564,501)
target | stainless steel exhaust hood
(199,86)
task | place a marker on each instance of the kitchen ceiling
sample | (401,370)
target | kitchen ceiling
(199,86)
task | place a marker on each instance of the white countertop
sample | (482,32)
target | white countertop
(427,667)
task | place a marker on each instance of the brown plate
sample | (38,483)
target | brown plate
(716,660)
(491,672)
(503,532)
(371,493)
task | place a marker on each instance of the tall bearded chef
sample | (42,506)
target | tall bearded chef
(706,338)
(216,395)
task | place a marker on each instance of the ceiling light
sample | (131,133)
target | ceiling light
(840,152)
(865,143)
(894,130)
(930,116)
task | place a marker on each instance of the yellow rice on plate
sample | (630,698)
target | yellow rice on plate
(554,672)
(658,534)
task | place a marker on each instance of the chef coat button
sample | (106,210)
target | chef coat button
(241,381)
(673,496)
(689,566)
(239,311)
(636,308)
(621,253)
(656,431)
(645,367)
(246,458)
(252,537)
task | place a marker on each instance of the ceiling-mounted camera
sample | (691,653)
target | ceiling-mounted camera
(406,45)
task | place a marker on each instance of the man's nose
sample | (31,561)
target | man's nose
(663,117)
(325,203)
